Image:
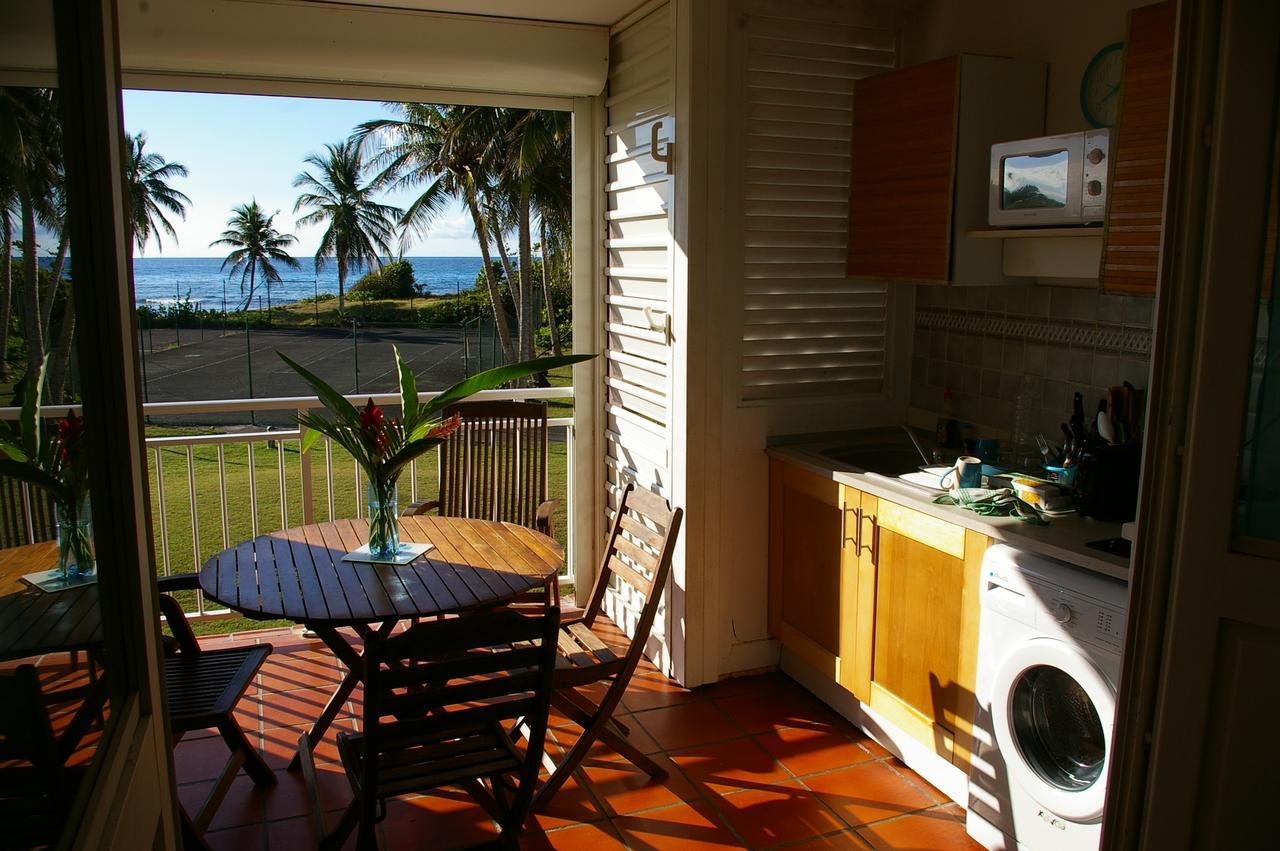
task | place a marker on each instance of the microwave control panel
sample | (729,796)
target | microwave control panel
(1093,201)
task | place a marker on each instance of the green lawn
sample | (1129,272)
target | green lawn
(263,477)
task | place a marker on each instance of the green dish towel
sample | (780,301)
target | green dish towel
(1001,502)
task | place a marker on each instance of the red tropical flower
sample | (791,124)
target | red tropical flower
(373,428)
(70,435)
(447,427)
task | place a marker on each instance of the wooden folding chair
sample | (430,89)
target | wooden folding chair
(495,466)
(202,688)
(638,553)
(437,699)
(36,786)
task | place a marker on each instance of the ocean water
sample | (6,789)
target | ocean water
(161,280)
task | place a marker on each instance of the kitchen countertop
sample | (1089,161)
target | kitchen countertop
(1065,538)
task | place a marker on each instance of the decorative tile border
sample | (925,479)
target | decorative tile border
(1064,332)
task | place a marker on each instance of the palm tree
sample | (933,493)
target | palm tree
(444,150)
(255,246)
(530,150)
(32,162)
(147,176)
(360,230)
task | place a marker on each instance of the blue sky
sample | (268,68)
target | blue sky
(238,147)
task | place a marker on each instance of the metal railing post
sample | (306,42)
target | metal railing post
(304,464)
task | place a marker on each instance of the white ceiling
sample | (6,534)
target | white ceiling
(597,12)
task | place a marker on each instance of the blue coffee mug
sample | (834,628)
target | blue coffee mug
(967,473)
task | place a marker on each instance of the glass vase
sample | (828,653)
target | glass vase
(76,558)
(384,534)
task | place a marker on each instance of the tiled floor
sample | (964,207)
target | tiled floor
(754,763)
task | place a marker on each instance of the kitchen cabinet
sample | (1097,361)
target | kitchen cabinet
(821,578)
(925,640)
(1139,147)
(880,598)
(921,147)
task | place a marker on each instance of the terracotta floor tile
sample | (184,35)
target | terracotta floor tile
(845,840)
(683,826)
(623,789)
(248,838)
(867,793)
(783,707)
(599,836)
(572,803)
(931,792)
(564,737)
(781,813)
(942,828)
(289,672)
(683,726)
(279,744)
(444,819)
(290,708)
(808,751)
(298,834)
(652,690)
(731,766)
(200,759)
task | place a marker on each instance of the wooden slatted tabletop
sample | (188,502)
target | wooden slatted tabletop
(299,573)
(33,622)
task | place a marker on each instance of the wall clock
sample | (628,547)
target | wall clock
(1100,86)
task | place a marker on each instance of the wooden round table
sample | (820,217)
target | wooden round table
(299,574)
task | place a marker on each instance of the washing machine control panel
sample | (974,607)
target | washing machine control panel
(1078,616)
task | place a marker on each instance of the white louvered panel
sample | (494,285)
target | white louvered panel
(808,332)
(637,290)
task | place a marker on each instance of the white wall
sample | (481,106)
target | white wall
(1065,35)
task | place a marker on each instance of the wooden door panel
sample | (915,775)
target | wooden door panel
(811,575)
(918,623)
(904,126)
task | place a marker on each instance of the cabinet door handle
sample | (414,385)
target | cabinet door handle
(857,535)
(875,534)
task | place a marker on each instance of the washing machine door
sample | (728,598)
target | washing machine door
(1053,713)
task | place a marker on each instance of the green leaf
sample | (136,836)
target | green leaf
(332,399)
(407,453)
(408,393)
(497,377)
(29,418)
(13,450)
(25,472)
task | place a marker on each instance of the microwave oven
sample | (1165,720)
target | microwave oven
(1051,180)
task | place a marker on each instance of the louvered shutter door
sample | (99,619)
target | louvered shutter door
(638,281)
(808,331)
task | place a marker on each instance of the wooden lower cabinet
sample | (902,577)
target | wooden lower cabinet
(817,582)
(881,598)
(926,628)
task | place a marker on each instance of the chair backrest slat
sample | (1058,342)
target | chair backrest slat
(441,682)
(638,508)
(495,466)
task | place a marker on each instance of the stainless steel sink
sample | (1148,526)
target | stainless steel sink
(885,459)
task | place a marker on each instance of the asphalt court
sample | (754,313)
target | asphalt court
(221,367)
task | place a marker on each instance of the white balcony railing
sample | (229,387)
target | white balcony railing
(313,487)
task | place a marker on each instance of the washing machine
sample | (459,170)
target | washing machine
(1049,642)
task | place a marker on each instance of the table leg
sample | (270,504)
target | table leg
(350,657)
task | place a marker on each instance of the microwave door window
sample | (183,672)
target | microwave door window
(1035,181)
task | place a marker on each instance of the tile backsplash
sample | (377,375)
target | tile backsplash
(988,343)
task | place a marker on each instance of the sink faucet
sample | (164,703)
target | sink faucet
(915,441)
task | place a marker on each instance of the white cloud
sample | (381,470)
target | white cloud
(452,225)
(1049,174)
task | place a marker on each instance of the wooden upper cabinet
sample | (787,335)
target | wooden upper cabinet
(1140,142)
(903,173)
(921,148)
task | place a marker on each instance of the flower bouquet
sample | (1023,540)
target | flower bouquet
(384,446)
(55,460)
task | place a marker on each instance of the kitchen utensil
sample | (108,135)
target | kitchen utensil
(1045,450)
(1105,431)
(967,473)
(915,441)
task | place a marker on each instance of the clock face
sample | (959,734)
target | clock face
(1100,86)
